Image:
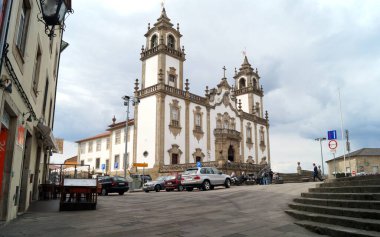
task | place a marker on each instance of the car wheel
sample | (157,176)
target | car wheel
(227,183)
(147,191)
(206,185)
(104,192)
(121,193)
(189,189)
(168,190)
(157,188)
(212,187)
(180,188)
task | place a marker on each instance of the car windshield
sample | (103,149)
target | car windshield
(191,171)
(161,178)
(118,178)
(170,177)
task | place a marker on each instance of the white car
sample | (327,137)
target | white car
(204,178)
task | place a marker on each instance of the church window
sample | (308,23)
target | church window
(249,133)
(241,83)
(257,109)
(174,159)
(171,42)
(175,113)
(198,120)
(262,141)
(153,41)
(172,77)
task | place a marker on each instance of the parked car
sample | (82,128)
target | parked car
(156,185)
(145,177)
(114,184)
(204,178)
(173,182)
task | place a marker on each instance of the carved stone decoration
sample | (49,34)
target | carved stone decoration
(175,150)
(226,99)
(262,140)
(198,123)
(248,135)
(175,115)
(250,160)
(198,153)
(263,161)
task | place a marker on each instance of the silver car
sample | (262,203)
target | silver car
(155,185)
(204,178)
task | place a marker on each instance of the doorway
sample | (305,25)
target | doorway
(231,153)
(25,173)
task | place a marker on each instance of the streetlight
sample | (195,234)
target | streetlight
(53,14)
(135,101)
(320,139)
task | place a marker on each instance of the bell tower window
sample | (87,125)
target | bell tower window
(241,83)
(171,42)
(153,41)
(172,77)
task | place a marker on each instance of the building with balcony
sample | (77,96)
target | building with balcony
(173,128)
(28,82)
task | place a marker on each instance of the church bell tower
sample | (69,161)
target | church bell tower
(162,57)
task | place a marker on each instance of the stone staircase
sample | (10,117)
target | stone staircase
(305,176)
(341,207)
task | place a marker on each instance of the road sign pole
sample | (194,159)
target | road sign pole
(334,165)
(341,128)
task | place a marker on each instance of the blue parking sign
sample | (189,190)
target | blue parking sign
(199,164)
(103,166)
(116,165)
(331,135)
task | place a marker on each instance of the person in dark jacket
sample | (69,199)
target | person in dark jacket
(315,173)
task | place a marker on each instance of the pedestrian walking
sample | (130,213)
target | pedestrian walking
(315,173)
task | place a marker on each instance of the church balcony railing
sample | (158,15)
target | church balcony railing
(255,118)
(226,167)
(162,49)
(248,89)
(226,133)
(173,91)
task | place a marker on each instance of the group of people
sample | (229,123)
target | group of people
(317,173)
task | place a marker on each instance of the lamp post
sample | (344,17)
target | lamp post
(53,14)
(126,103)
(320,139)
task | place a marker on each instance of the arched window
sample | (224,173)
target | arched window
(171,41)
(153,41)
(241,83)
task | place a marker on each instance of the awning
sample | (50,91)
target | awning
(47,136)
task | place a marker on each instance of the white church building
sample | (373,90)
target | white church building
(173,129)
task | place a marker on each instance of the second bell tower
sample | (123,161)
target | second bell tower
(162,54)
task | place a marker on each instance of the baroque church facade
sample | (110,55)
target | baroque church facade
(174,129)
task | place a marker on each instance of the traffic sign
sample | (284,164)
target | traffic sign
(353,172)
(116,165)
(140,164)
(103,166)
(333,144)
(199,164)
(331,135)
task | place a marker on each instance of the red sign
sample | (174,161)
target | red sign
(3,146)
(21,136)
(333,144)
(353,172)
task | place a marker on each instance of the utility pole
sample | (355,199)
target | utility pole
(348,147)
(320,139)
(126,160)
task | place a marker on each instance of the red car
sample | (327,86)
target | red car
(173,181)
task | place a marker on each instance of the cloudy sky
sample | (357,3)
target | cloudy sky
(305,52)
